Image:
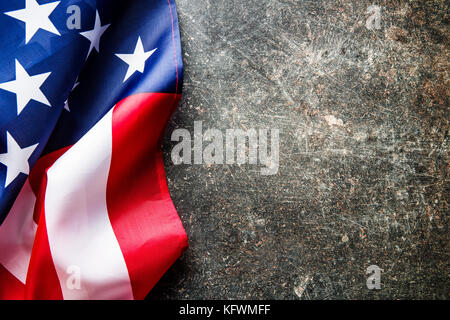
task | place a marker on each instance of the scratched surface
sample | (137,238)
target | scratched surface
(363,115)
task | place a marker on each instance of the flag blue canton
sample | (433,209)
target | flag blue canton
(56,82)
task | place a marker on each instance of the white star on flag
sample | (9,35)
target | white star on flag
(95,34)
(35,17)
(66,104)
(136,60)
(16,159)
(26,87)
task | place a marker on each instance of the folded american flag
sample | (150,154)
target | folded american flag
(85,211)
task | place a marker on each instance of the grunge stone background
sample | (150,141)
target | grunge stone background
(363,178)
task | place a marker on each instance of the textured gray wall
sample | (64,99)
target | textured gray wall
(363,177)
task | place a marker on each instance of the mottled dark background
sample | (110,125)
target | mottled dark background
(364,155)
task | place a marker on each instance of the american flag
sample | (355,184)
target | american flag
(85,211)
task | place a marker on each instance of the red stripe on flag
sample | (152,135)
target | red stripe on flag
(141,211)
(42,280)
(11,288)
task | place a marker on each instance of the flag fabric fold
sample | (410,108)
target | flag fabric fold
(85,210)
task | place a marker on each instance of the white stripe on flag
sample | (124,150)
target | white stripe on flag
(17,234)
(82,241)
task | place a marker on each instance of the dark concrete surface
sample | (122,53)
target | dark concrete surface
(363,179)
